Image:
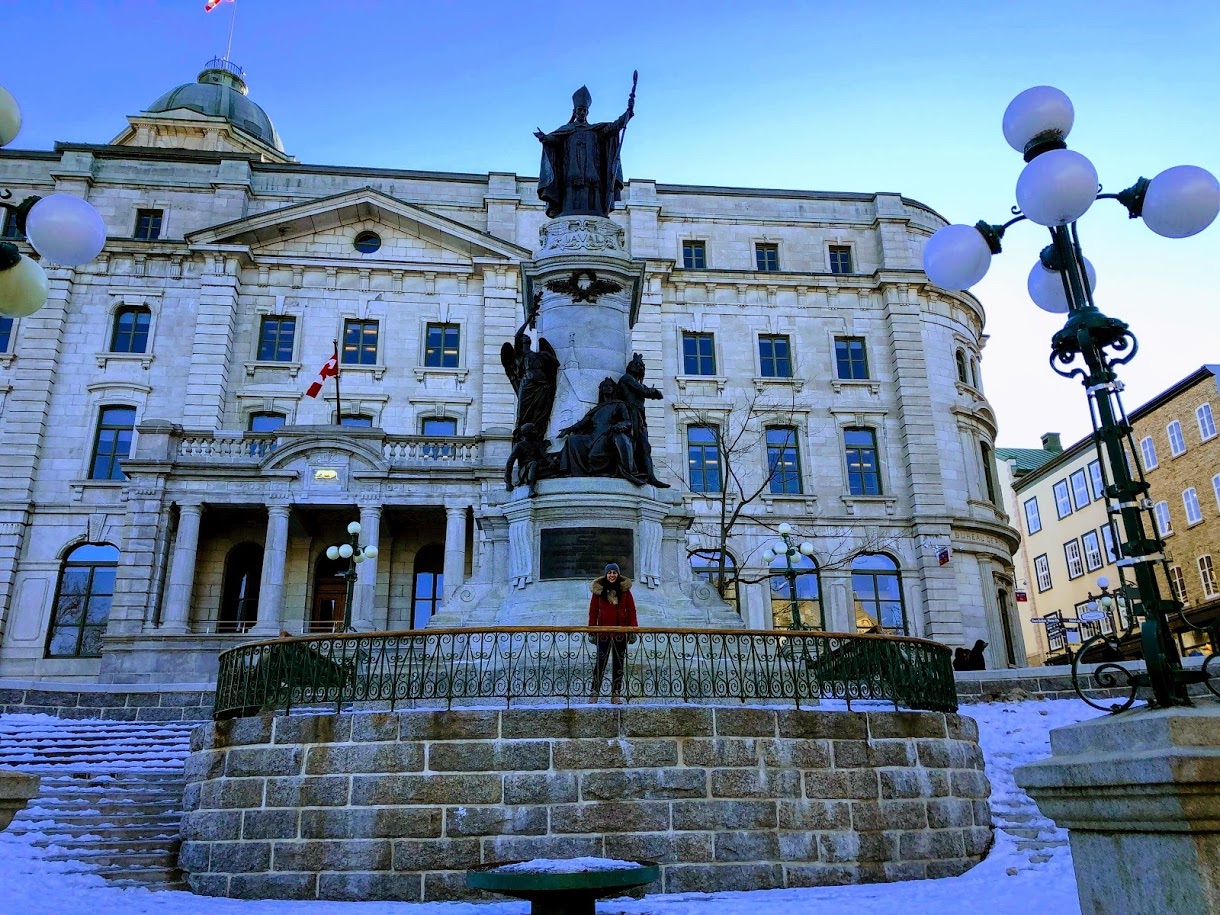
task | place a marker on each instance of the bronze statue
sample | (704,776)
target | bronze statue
(581,173)
(599,444)
(533,374)
(633,392)
(530,456)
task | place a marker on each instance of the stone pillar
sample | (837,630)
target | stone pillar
(182,571)
(207,379)
(455,550)
(1139,794)
(838,600)
(364,611)
(271,587)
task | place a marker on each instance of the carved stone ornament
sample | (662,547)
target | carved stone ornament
(581,234)
(583,286)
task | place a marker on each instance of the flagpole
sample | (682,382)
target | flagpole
(338,400)
(232,22)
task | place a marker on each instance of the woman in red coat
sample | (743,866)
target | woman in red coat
(611,605)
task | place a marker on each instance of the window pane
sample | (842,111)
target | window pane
(276,339)
(773,356)
(1148,452)
(703,459)
(439,426)
(1207,424)
(6,333)
(694,255)
(766,257)
(1080,489)
(783,461)
(1033,521)
(1063,502)
(1095,480)
(357,421)
(863,476)
(266,422)
(850,360)
(1177,444)
(63,642)
(360,343)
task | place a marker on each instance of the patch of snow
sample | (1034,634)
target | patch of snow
(566,866)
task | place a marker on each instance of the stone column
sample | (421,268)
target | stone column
(455,550)
(182,571)
(1139,794)
(271,587)
(365,594)
(838,600)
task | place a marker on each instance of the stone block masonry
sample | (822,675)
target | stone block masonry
(397,805)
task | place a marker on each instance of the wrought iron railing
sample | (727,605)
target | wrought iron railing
(514,664)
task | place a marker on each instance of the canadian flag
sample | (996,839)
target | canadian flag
(329,370)
(211,5)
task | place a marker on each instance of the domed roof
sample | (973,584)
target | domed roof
(221,92)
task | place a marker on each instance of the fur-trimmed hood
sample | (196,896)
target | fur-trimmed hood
(598,587)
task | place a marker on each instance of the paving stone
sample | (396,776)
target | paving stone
(274,886)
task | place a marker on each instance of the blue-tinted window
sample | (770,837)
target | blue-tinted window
(9,230)
(441,346)
(358,420)
(850,359)
(840,259)
(783,460)
(112,443)
(367,242)
(694,255)
(148,224)
(863,471)
(698,354)
(774,356)
(130,334)
(82,602)
(360,342)
(6,333)
(807,594)
(877,588)
(766,258)
(275,339)
(429,585)
(703,459)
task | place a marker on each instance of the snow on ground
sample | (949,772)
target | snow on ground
(1006,883)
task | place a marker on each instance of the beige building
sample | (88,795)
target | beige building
(170,488)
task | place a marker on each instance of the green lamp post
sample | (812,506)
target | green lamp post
(355,554)
(785,548)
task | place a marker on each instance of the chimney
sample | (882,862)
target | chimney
(1050,442)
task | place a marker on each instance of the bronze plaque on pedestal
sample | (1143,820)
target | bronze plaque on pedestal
(581,552)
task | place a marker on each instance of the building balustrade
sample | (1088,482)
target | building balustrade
(410,450)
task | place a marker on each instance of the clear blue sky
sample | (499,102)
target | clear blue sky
(840,97)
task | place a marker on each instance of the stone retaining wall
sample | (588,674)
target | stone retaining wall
(396,805)
(191,702)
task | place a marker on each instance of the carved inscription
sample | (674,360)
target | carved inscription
(577,552)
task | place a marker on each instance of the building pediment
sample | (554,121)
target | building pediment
(297,228)
(306,448)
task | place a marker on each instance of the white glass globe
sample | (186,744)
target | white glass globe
(1042,110)
(956,257)
(1046,287)
(358,558)
(807,548)
(1181,201)
(779,548)
(768,556)
(332,552)
(370,552)
(785,528)
(23,289)
(65,229)
(10,117)
(1057,188)
(345,551)
(354,527)
(1103,582)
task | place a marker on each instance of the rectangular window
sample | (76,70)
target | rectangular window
(1190,499)
(698,354)
(1063,501)
(1109,543)
(1207,575)
(774,356)
(1080,490)
(1177,583)
(112,443)
(6,333)
(1164,523)
(1177,443)
(1042,571)
(850,359)
(441,426)
(766,258)
(1148,452)
(703,459)
(694,255)
(863,471)
(840,259)
(275,339)
(1092,551)
(148,224)
(9,230)
(988,472)
(441,346)
(1207,423)
(1033,521)
(783,460)
(359,342)
(1071,553)
(1215,486)
(1096,481)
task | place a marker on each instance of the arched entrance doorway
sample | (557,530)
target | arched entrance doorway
(429,584)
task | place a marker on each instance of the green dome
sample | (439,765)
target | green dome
(221,92)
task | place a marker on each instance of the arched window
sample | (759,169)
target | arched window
(974,374)
(82,602)
(808,596)
(130,333)
(239,595)
(877,587)
(705,564)
(960,358)
(429,584)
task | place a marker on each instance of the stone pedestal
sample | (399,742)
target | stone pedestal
(16,790)
(1139,794)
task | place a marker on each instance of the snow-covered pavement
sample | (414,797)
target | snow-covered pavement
(1011,881)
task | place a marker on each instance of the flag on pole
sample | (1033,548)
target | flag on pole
(329,370)
(212,4)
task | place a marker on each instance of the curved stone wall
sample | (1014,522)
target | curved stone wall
(396,805)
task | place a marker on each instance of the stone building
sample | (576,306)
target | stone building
(172,489)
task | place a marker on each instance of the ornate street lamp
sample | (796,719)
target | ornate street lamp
(1056,188)
(62,228)
(785,548)
(355,554)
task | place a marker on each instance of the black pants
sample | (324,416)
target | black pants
(607,647)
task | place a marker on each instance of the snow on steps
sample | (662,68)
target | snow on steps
(111,793)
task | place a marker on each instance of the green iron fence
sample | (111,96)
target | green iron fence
(528,663)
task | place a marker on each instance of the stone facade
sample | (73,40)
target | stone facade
(249,236)
(397,805)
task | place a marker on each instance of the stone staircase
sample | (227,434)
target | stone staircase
(111,793)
